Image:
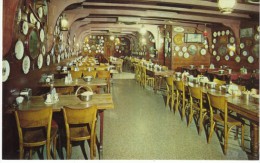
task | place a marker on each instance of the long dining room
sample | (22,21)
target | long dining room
(130,80)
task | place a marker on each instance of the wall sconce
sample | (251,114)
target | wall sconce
(64,23)
(226,7)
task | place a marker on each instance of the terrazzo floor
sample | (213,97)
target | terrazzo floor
(142,128)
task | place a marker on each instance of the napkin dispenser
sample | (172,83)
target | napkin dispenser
(27,93)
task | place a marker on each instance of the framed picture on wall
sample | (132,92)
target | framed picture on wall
(193,38)
(246,32)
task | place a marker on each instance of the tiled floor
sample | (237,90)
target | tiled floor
(142,128)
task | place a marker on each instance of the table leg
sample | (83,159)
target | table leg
(254,144)
(101,114)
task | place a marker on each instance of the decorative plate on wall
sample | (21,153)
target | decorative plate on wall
(237,59)
(215,34)
(32,18)
(223,33)
(42,35)
(58,58)
(214,40)
(178,29)
(192,49)
(177,48)
(184,49)
(40,12)
(26,64)
(250,59)
(38,25)
(186,55)
(19,49)
(242,45)
(203,51)
(222,50)
(231,53)
(256,37)
(40,61)
(232,40)
(25,28)
(227,32)
(19,16)
(212,46)
(226,57)
(5,70)
(178,39)
(43,50)
(180,53)
(34,44)
(255,50)
(214,52)
(244,53)
(218,58)
(48,60)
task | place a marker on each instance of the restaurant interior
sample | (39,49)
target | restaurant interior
(130,79)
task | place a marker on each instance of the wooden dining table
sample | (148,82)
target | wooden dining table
(102,101)
(246,109)
(158,76)
(75,82)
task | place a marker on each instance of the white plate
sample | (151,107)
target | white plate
(258,28)
(215,34)
(38,25)
(219,33)
(186,55)
(214,40)
(43,50)
(250,59)
(227,32)
(244,53)
(184,49)
(42,35)
(5,70)
(19,49)
(40,61)
(32,18)
(203,51)
(212,46)
(26,64)
(237,59)
(40,12)
(206,46)
(232,40)
(177,48)
(214,52)
(226,57)
(19,16)
(180,53)
(25,28)
(218,58)
(231,53)
(48,60)
(242,45)
(223,33)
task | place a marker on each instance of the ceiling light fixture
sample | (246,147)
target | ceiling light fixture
(64,23)
(226,6)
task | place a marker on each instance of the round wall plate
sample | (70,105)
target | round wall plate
(40,61)
(26,64)
(25,28)
(5,70)
(218,58)
(237,59)
(180,53)
(42,35)
(19,49)
(250,59)
(186,55)
(48,60)
(40,12)
(203,51)
(43,50)
(192,49)
(242,45)
(184,49)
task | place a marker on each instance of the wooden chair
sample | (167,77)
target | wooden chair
(219,82)
(103,74)
(80,125)
(76,74)
(181,97)
(219,103)
(90,73)
(170,92)
(35,129)
(146,79)
(196,105)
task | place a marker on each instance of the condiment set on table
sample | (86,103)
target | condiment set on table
(52,97)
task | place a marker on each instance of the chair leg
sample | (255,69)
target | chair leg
(21,152)
(183,109)
(226,133)
(167,101)
(172,102)
(190,116)
(30,153)
(48,150)
(212,125)
(68,150)
(54,146)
